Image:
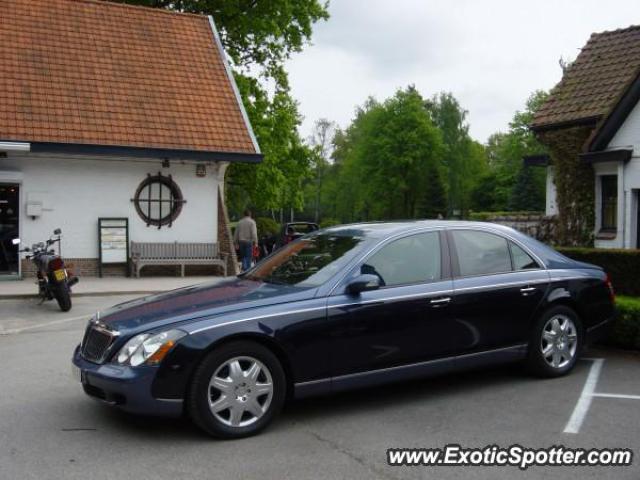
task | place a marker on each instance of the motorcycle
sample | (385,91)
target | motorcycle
(54,280)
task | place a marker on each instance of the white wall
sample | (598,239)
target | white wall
(76,192)
(628,136)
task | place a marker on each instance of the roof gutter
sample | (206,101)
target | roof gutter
(232,80)
(15,147)
(580,122)
(142,152)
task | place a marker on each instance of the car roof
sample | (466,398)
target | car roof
(390,228)
(380,230)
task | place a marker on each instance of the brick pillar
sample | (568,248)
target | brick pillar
(225,240)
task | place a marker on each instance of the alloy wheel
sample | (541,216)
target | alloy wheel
(559,341)
(240,391)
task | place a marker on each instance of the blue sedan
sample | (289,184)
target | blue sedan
(345,307)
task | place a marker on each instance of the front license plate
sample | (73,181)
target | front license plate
(76,373)
(60,275)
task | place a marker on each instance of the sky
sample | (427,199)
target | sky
(491,54)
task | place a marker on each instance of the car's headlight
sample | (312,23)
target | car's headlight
(148,348)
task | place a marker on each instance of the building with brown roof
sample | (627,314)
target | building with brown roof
(114,111)
(593,116)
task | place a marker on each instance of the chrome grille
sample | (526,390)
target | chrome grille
(96,343)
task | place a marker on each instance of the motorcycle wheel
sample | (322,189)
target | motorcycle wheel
(63,296)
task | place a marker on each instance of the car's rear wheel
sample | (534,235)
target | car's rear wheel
(237,390)
(555,343)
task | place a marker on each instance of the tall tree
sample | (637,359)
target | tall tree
(526,195)
(321,140)
(515,188)
(387,158)
(464,158)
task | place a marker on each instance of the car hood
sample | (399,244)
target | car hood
(197,301)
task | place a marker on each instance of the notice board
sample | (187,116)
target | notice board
(113,242)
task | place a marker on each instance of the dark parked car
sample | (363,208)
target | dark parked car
(294,230)
(345,307)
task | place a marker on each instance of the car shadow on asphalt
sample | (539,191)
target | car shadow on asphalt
(369,400)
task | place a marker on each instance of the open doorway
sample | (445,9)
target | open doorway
(9,228)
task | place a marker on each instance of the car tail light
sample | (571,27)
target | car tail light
(612,293)
(56,264)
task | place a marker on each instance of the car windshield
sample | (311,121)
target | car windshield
(309,261)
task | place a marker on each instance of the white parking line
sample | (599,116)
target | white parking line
(584,402)
(589,392)
(617,395)
(13,331)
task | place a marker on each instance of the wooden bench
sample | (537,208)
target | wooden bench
(176,253)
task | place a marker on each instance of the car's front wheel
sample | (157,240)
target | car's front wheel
(555,343)
(237,390)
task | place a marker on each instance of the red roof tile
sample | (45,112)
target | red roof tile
(593,84)
(92,72)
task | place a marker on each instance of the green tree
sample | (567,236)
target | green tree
(321,141)
(388,161)
(464,159)
(434,200)
(526,194)
(508,185)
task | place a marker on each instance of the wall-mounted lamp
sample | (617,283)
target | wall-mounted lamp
(201,170)
(165,163)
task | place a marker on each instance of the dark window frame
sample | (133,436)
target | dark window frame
(608,201)
(175,201)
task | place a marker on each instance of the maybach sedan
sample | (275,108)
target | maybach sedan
(345,307)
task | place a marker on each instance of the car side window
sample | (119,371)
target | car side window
(481,253)
(412,259)
(521,259)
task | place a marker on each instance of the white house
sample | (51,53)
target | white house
(112,111)
(600,91)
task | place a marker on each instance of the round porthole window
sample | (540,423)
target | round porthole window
(158,200)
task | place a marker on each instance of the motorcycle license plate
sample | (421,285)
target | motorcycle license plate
(60,275)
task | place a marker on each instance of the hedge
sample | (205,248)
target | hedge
(625,332)
(623,266)
(489,216)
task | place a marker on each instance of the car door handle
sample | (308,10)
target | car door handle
(527,290)
(440,302)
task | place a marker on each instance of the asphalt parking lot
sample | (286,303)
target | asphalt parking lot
(50,430)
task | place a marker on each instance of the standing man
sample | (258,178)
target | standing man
(245,237)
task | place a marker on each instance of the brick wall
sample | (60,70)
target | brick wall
(88,267)
(82,267)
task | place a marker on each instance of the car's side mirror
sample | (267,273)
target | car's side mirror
(15,241)
(363,283)
(57,231)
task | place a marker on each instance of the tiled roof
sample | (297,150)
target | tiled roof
(99,73)
(593,84)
